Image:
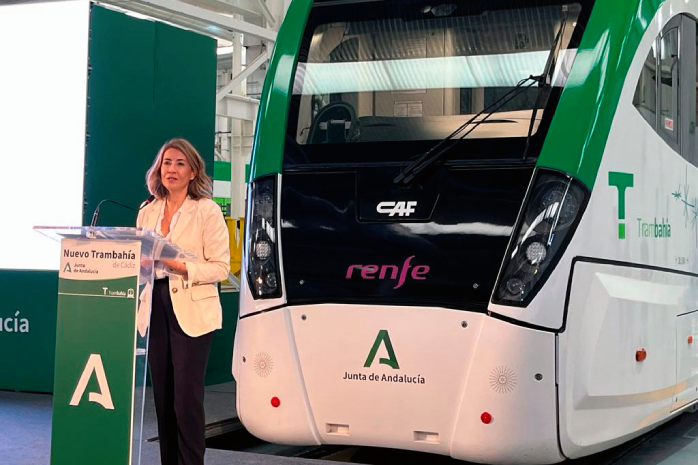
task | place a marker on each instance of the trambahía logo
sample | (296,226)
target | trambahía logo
(652,229)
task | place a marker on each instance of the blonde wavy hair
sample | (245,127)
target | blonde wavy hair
(201,187)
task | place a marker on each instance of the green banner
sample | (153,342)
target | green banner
(29,297)
(95,353)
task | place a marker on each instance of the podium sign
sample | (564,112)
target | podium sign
(93,401)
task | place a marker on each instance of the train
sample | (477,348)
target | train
(471,228)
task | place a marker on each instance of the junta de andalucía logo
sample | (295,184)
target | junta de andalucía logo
(383,340)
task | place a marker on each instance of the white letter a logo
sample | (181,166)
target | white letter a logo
(103,398)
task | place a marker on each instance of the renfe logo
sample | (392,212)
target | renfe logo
(418,273)
(396,208)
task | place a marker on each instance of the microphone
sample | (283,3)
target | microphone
(145,203)
(150,198)
(95,215)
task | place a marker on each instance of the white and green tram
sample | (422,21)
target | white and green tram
(472,227)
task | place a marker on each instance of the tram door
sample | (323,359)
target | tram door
(686,360)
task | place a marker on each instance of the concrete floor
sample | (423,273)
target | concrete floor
(25,430)
(25,436)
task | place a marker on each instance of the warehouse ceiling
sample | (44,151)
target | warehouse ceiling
(215,18)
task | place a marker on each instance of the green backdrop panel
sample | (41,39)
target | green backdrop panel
(149,82)
(27,357)
(185,90)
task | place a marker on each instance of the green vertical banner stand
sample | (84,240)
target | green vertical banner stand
(93,403)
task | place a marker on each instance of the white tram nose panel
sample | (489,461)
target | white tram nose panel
(523,409)
(267,369)
(401,377)
(392,376)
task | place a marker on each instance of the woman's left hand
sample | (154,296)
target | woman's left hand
(176,266)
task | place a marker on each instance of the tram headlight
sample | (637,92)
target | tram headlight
(536,253)
(515,286)
(261,246)
(551,214)
(262,250)
(271,280)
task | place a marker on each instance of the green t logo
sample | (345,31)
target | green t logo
(384,338)
(621,181)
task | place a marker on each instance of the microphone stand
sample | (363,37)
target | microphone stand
(95,216)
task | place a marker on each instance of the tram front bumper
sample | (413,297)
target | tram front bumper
(434,380)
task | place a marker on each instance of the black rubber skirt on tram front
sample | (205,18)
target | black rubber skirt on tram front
(353,236)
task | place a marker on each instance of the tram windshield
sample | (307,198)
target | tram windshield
(416,71)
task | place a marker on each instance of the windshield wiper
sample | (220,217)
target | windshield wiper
(430,156)
(544,82)
(547,81)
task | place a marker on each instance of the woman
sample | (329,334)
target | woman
(185,306)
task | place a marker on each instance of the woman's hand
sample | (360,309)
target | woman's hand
(176,266)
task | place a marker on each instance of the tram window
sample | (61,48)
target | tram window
(403,73)
(669,86)
(670,105)
(645,99)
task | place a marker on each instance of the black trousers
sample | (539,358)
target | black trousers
(177,368)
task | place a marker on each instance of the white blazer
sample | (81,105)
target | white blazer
(200,229)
